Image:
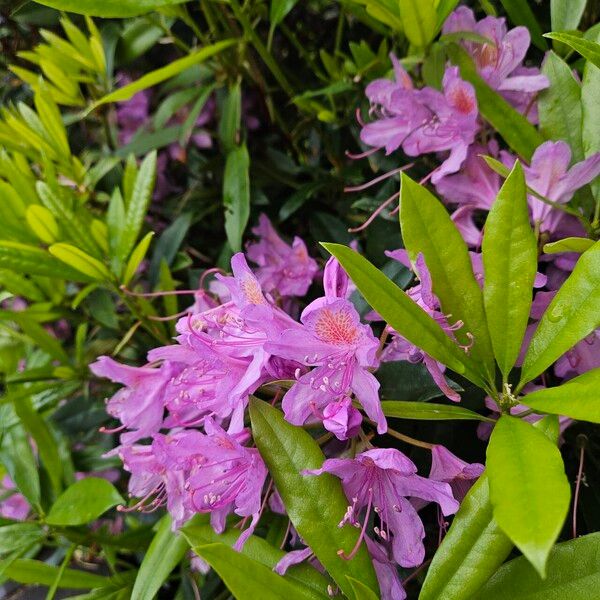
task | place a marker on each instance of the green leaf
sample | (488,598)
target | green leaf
(516,130)
(42,222)
(566,14)
(230,122)
(428,229)
(30,260)
(314,504)
(559,105)
(520,13)
(28,571)
(236,195)
(165,552)
(587,49)
(157,76)
(137,256)
(573,313)
(510,266)
(471,551)
(570,244)
(529,490)
(361,591)
(419,21)
(578,398)
(108,8)
(428,411)
(261,551)
(572,573)
(279,10)
(234,567)
(137,205)
(590,114)
(80,261)
(401,312)
(444,8)
(83,502)
(19,536)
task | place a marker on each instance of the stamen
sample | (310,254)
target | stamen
(364,186)
(354,550)
(376,212)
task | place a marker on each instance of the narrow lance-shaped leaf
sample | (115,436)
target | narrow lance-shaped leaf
(419,21)
(590,115)
(428,411)
(234,569)
(137,256)
(529,490)
(236,195)
(570,244)
(79,260)
(587,49)
(572,573)
(401,312)
(573,313)
(578,398)
(510,265)
(517,131)
(314,504)
(520,13)
(566,14)
(428,229)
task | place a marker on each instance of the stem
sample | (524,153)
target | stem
(67,559)
(582,440)
(406,438)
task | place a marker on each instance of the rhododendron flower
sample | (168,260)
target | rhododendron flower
(13,505)
(499,61)
(331,339)
(287,270)
(140,405)
(447,467)
(382,480)
(390,586)
(219,474)
(132,114)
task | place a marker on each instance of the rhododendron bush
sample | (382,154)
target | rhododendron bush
(300,299)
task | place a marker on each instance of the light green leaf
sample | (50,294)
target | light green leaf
(42,222)
(570,244)
(520,13)
(80,261)
(108,8)
(427,229)
(259,550)
(471,551)
(234,567)
(428,411)
(165,552)
(19,536)
(590,114)
(516,130)
(566,14)
(361,591)
(157,76)
(578,398)
(401,312)
(137,205)
(279,10)
(573,313)
(559,105)
(231,115)
(137,256)
(572,573)
(236,195)
(28,571)
(530,502)
(419,21)
(315,504)
(589,50)
(510,266)
(83,502)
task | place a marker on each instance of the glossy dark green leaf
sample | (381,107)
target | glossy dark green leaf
(25,570)
(315,504)
(259,550)
(572,573)
(427,229)
(83,501)
(231,118)
(516,130)
(471,551)
(578,398)
(588,49)
(236,195)
(573,313)
(361,591)
(428,411)
(400,312)
(510,266)
(248,579)
(559,106)
(520,13)
(530,502)
(570,244)
(19,536)
(165,552)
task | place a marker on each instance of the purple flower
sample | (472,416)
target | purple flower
(132,114)
(390,586)
(499,62)
(331,339)
(447,467)
(288,270)
(140,405)
(13,505)
(342,419)
(382,480)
